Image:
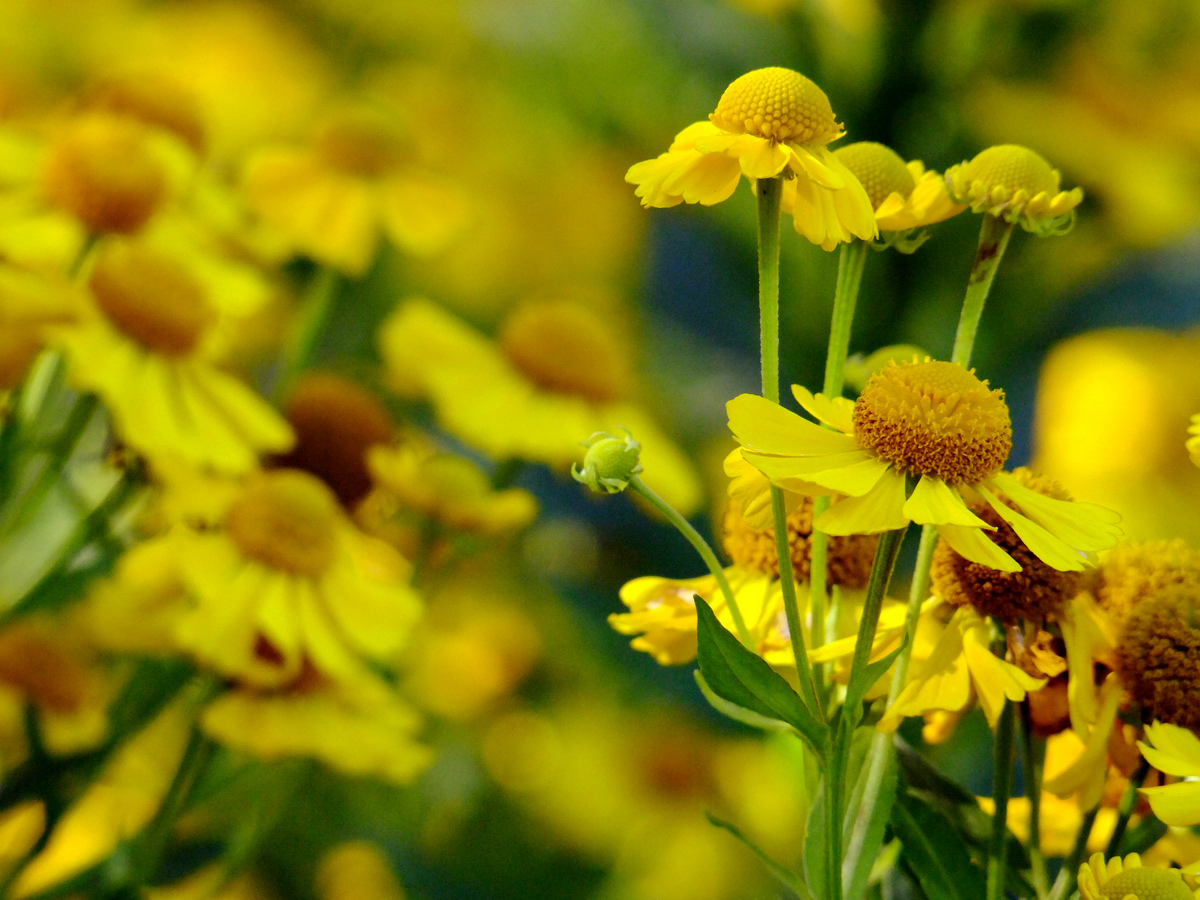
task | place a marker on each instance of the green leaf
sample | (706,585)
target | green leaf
(738,713)
(918,772)
(741,677)
(814,844)
(861,681)
(935,851)
(868,834)
(783,875)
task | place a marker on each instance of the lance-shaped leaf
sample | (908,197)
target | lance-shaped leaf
(935,852)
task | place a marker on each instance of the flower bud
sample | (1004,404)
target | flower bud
(609,463)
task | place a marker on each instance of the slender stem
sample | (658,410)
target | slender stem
(835,781)
(314,315)
(1031,766)
(993,239)
(1064,884)
(769,192)
(1125,809)
(851,261)
(881,577)
(684,527)
(1002,758)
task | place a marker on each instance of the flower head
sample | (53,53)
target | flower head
(610,462)
(904,195)
(1137,570)
(769,123)
(1175,751)
(1158,656)
(930,423)
(1119,879)
(1017,185)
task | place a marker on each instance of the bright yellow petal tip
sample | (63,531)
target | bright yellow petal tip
(1123,878)
(1017,185)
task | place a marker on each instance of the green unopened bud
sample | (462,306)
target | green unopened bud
(609,463)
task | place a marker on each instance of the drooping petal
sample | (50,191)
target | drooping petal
(933,502)
(1176,804)
(819,166)
(942,682)
(704,178)
(836,412)
(972,544)
(1086,776)
(759,158)
(1087,633)
(880,509)
(1176,750)
(1084,526)
(1051,550)
(995,679)
(854,473)
(767,427)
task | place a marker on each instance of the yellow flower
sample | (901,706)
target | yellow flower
(356,870)
(1015,184)
(904,195)
(358,725)
(333,199)
(961,668)
(1175,751)
(288,582)
(1059,822)
(1085,777)
(1193,443)
(555,376)
(769,123)
(451,490)
(930,421)
(29,301)
(140,345)
(662,612)
(1123,879)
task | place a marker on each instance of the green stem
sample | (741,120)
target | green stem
(1064,884)
(1031,766)
(993,240)
(851,262)
(1127,806)
(684,527)
(1002,772)
(314,315)
(769,192)
(881,577)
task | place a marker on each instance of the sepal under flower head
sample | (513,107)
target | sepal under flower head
(610,462)
(1017,185)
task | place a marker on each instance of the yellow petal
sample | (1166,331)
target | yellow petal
(880,509)
(972,544)
(1176,750)
(934,502)
(995,679)
(822,167)
(836,412)
(943,682)
(1083,526)
(704,178)
(1176,804)
(1051,550)
(853,473)
(767,427)
(759,158)
(693,134)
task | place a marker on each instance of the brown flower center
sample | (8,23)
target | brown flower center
(286,519)
(934,418)
(151,298)
(363,143)
(154,100)
(1158,656)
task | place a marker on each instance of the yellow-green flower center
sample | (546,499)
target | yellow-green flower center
(102,172)
(934,418)
(151,299)
(1146,883)
(879,168)
(777,104)
(567,348)
(1158,656)
(1034,594)
(286,519)
(362,143)
(1012,167)
(849,561)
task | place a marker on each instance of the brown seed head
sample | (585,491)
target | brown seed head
(1158,656)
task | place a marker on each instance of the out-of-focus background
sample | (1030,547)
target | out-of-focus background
(568,765)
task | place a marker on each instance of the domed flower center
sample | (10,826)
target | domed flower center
(1012,167)
(1146,883)
(154,100)
(777,104)
(362,143)
(1034,594)
(335,422)
(934,418)
(102,172)
(286,519)
(879,168)
(849,561)
(1158,656)
(1134,571)
(151,298)
(564,347)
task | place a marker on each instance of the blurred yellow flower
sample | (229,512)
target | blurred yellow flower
(930,419)
(556,376)
(961,668)
(1193,442)
(332,200)
(1017,185)
(288,582)
(769,123)
(1175,751)
(139,344)
(1127,878)
(356,870)
(904,195)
